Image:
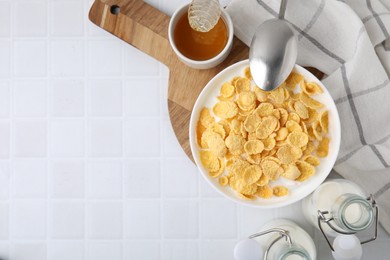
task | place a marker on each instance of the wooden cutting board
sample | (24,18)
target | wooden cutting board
(146,28)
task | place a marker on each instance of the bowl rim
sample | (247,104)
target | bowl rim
(229,24)
(236,199)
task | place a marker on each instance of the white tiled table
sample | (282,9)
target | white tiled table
(89,165)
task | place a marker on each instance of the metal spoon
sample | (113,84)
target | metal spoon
(273,52)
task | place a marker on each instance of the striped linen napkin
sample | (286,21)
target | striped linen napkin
(350,42)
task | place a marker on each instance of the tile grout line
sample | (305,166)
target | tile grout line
(48,132)
(162,158)
(162,155)
(11,134)
(124,197)
(85,132)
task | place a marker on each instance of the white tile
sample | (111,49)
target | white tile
(30,18)
(216,218)
(180,218)
(29,98)
(29,138)
(164,73)
(142,219)
(104,220)
(171,146)
(105,57)
(66,179)
(4,98)
(180,250)
(66,220)
(67,97)
(206,190)
(138,93)
(65,250)
(30,58)
(29,178)
(5,58)
(170,6)
(142,137)
(155,3)
(139,63)
(4,180)
(180,178)
(4,221)
(142,250)
(104,179)
(98,250)
(294,213)
(67,58)
(67,18)
(105,137)
(96,31)
(105,97)
(4,250)
(4,138)
(28,251)
(253,219)
(5,19)
(67,138)
(142,178)
(218,249)
(28,219)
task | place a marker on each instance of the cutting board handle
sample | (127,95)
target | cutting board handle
(137,23)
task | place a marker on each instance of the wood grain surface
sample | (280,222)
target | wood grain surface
(146,28)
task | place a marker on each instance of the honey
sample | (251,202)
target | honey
(199,45)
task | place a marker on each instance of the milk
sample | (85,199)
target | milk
(327,197)
(299,239)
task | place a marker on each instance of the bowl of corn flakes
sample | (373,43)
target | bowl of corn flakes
(264,149)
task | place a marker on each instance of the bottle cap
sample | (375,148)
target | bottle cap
(347,247)
(248,249)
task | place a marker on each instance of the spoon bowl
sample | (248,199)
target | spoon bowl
(273,54)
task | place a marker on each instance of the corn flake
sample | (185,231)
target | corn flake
(253,147)
(298,139)
(223,180)
(227,90)
(288,154)
(225,109)
(324,121)
(205,118)
(292,80)
(307,170)
(280,191)
(242,84)
(252,174)
(209,161)
(264,192)
(291,172)
(301,110)
(261,95)
(323,147)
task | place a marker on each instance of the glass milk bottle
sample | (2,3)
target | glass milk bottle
(339,207)
(279,239)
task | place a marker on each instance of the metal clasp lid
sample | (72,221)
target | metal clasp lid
(282,234)
(328,220)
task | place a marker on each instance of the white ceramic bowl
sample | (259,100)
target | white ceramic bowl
(204,64)
(208,97)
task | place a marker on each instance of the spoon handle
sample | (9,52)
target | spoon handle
(282,10)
